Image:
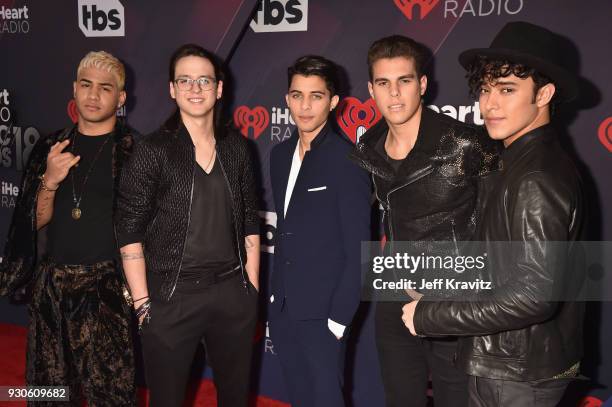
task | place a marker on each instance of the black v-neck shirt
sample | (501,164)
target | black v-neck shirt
(210,236)
(380,148)
(91,238)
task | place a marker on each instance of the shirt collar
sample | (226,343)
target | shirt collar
(319,138)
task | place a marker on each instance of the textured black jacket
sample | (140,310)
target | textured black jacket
(155,196)
(522,330)
(20,253)
(433,197)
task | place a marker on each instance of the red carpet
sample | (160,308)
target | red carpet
(12,373)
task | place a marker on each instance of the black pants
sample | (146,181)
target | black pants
(80,335)
(222,317)
(406,362)
(486,392)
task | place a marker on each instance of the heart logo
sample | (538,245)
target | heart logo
(71,109)
(590,401)
(257,119)
(407,7)
(355,117)
(605,133)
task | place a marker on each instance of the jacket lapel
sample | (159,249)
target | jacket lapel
(305,168)
(284,167)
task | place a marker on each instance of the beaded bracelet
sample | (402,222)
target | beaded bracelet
(142,313)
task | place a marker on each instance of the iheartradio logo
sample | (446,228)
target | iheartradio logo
(256,119)
(457,9)
(604,133)
(590,401)
(355,117)
(407,7)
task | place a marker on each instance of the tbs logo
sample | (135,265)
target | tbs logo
(280,15)
(101,18)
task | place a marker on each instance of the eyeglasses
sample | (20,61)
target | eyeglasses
(205,83)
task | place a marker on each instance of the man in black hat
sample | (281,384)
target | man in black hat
(523,339)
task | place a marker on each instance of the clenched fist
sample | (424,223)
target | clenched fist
(58,164)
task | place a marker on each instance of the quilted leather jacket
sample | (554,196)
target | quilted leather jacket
(154,203)
(529,327)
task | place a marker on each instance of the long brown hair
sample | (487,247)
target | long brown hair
(173,123)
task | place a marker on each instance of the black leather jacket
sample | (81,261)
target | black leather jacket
(520,332)
(155,194)
(433,197)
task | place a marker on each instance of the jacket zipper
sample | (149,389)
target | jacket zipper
(242,271)
(428,170)
(391,239)
(188,223)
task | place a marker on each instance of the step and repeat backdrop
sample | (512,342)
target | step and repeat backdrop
(41,44)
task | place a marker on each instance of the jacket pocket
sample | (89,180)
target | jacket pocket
(510,345)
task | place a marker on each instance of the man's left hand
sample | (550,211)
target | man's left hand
(408,316)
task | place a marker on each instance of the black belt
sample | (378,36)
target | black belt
(207,279)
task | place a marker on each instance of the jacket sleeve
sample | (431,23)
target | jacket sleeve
(136,196)
(354,211)
(540,210)
(20,247)
(249,195)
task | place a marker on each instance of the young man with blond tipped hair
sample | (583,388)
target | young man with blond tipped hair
(79,321)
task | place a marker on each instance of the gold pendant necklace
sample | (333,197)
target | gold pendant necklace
(76,211)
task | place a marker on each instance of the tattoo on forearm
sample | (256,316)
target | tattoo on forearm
(44,202)
(248,244)
(132,256)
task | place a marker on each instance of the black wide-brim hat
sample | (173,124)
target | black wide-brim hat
(532,46)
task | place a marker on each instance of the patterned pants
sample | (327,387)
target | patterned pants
(80,335)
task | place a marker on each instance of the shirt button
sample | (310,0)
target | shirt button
(271,298)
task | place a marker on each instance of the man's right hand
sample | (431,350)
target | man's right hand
(59,163)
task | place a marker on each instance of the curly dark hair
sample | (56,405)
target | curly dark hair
(485,70)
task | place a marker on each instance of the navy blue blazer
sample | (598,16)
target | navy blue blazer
(317,251)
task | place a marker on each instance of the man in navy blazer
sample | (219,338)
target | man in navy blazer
(322,202)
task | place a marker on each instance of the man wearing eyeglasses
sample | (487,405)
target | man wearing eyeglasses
(188,206)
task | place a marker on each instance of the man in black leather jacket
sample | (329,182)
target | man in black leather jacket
(526,338)
(426,169)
